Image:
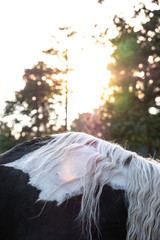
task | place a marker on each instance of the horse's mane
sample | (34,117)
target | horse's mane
(142,188)
(106,162)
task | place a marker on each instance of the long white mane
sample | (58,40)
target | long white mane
(77,163)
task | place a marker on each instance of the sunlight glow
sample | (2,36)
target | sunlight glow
(89,77)
(26,39)
(153,110)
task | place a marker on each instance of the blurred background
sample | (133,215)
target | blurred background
(90,66)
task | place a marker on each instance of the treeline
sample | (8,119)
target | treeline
(131,110)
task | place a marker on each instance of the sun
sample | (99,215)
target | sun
(88,78)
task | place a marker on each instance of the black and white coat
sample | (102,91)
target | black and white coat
(73,186)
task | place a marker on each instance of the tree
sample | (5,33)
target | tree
(37,100)
(62,55)
(88,123)
(7,141)
(132,111)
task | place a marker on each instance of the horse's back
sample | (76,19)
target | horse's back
(25,215)
(113,212)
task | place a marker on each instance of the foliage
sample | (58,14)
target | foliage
(88,123)
(37,100)
(7,141)
(61,53)
(132,113)
(63,56)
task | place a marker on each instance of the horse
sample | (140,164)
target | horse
(72,186)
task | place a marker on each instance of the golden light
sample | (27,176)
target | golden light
(89,77)
(33,98)
(112,99)
(85,57)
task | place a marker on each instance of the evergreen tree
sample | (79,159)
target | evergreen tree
(7,141)
(37,100)
(61,54)
(132,113)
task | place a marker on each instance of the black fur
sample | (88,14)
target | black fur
(24,148)
(23,218)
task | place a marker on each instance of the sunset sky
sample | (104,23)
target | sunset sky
(26,29)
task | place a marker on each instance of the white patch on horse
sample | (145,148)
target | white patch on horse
(58,168)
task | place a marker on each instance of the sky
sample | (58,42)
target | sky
(26,30)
